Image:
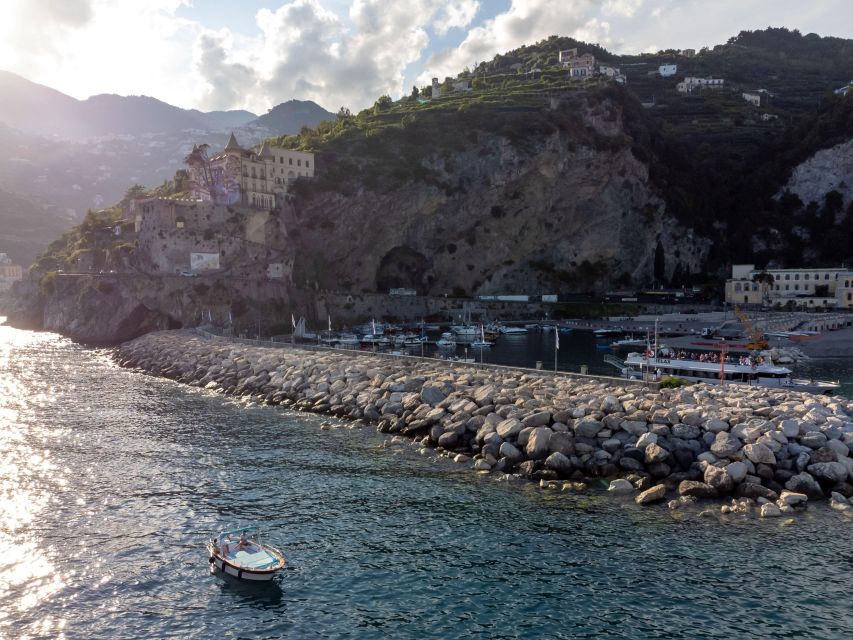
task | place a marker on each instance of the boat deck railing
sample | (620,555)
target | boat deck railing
(271,342)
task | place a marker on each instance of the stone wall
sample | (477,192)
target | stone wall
(773,451)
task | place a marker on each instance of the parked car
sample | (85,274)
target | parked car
(188,274)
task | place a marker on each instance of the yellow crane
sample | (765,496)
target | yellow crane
(757,342)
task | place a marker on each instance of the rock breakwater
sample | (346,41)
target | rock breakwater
(769,451)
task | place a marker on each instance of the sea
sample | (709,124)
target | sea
(111,481)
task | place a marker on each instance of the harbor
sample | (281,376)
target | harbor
(819,350)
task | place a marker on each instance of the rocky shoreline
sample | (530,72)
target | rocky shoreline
(762,451)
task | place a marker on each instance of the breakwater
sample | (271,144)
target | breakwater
(769,451)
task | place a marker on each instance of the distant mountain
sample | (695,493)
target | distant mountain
(34,108)
(217,120)
(291,116)
(26,229)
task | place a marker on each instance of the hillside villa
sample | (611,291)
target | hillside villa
(254,178)
(691,84)
(9,273)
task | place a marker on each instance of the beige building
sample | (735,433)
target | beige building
(255,178)
(9,273)
(808,288)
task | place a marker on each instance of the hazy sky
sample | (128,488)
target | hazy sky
(254,54)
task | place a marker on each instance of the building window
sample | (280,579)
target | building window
(787,276)
(796,287)
(796,276)
(281,159)
(737,287)
(777,287)
(306,164)
(826,276)
(806,277)
(817,276)
(848,296)
(290,160)
(787,287)
(299,163)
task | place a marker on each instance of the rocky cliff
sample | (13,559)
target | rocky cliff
(827,170)
(569,210)
(110,309)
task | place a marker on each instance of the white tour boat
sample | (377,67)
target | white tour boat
(241,554)
(737,371)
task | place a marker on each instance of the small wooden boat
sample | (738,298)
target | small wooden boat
(241,554)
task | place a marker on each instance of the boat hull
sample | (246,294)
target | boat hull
(223,566)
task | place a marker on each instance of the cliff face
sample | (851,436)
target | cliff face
(827,170)
(549,215)
(111,309)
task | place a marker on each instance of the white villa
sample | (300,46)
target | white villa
(691,84)
(667,70)
(809,288)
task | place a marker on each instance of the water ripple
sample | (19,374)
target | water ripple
(110,482)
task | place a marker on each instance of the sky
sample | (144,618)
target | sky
(255,54)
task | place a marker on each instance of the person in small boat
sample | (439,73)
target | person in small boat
(244,542)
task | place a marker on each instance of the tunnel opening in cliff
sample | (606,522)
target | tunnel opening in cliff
(402,267)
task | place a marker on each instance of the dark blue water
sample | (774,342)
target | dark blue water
(580,348)
(110,482)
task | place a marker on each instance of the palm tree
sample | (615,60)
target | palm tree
(766,281)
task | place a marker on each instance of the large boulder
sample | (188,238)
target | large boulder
(770,510)
(805,483)
(432,395)
(538,419)
(686,431)
(792,499)
(537,443)
(509,428)
(562,442)
(588,428)
(832,471)
(754,491)
(737,470)
(655,494)
(696,489)
(559,463)
(634,427)
(510,452)
(655,453)
(448,440)
(719,479)
(725,445)
(759,453)
(620,486)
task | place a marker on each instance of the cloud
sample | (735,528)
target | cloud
(307,52)
(456,14)
(227,84)
(625,8)
(37,27)
(525,22)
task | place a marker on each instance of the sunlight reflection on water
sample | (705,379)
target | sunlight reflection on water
(27,473)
